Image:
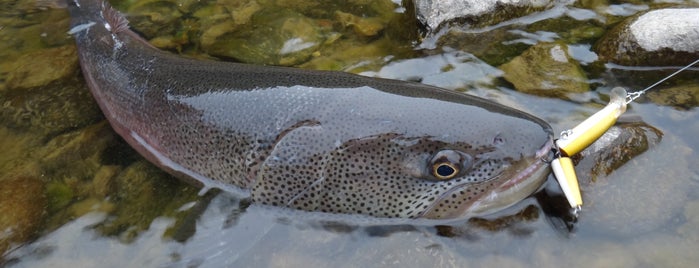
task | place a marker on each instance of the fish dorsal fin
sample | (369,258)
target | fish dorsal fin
(116,21)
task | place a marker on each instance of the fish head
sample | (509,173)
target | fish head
(452,162)
(436,178)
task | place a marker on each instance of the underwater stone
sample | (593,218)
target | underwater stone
(280,37)
(616,147)
(661,37)
(22,204)
(681,96)
(81,148)
(546,69)
(103,183)
(43,66)
(363,26)
(58,107)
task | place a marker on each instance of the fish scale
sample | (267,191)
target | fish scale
(309,140)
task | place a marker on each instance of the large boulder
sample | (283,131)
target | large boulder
(663,37)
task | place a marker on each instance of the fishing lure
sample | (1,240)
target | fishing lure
(574,140)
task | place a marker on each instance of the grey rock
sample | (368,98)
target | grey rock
(434,13)
(656,38)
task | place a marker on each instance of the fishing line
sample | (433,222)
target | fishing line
(574,140)
(634,95)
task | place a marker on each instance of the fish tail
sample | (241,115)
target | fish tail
(91,11)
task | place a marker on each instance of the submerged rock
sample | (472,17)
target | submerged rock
(154,17)
(546,69)
(280,37)
(681,96)
(22,207)
(57,107)
(365,27)
(476,13)
(616,147)
(661,37)
(43,66)
(144,192)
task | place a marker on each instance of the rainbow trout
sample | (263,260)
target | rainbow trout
(309,140)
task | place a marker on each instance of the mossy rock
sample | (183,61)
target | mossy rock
(546,69)
(22,209)
(279,37)
(57,107)
(681,96)
(143,193)
(43,66)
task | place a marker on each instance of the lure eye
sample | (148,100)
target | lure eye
(447,164)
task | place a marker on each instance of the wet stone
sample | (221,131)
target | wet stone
(55,108)
(278,37)
(103,183)
(81,150)
(43,66)
(152,18)
(365,27)
(475,13)
(663,37)
(143,193)
(546,69)
(22,207)
(681,96)
(616,147)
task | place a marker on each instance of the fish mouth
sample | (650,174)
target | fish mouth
(520,185)
(504,189)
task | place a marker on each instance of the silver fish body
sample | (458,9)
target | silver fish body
(310,140)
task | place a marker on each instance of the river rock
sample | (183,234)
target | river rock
(277,37)
(22,204)
(153,18)
(142,193)
(81,150)
(43,66)
(475,13)
(681,96)
(663,37)
(546,69)
(55,108)
(617,146)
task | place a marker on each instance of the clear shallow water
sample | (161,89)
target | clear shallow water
(645,213)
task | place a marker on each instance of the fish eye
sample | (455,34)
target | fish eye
(447,164)
(444,171)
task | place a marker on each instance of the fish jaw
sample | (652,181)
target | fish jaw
(513,185)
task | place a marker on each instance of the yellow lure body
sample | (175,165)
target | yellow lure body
(593,127)
(565,174)
(581,136)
